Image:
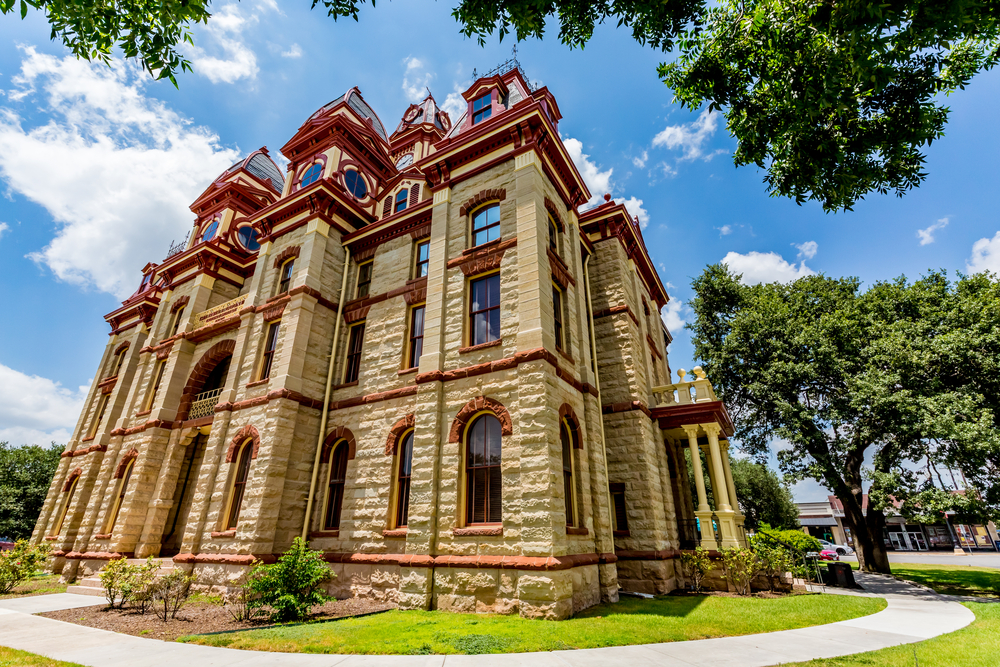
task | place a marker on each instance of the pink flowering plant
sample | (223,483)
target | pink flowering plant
(17,565)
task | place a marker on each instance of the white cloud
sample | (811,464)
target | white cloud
(725,230)
(36,410)
(115,169)
(635,209)
(985,256)
(807,250)
(225,32)
(640,161)
(926,236)
(598,182)
(765,267)
(294,51)
(416,79)
(3,228)
(672,315)
(690,137)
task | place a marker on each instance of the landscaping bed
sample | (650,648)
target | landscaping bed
(201,614)
(39,584)
(630,621)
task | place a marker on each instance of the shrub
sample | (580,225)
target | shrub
(116,578)
(17,565)
(740,565)
(292,586)
(245,604)
(794,538)
(137,589)
(774,561)
(696,564)
(172,592)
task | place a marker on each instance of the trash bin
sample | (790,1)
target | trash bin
(840,575)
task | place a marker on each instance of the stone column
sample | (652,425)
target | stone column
(704,512)
(724,511)
(731,487)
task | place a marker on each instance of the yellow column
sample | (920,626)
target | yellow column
(730,486)
(719,481)
(699,475)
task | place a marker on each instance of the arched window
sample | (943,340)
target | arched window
(311,175)
(404,467)
(209,232)
(285,276)
(119,360)
(486,224)
(67,499)
(400,200)
(355,184)
(483,484)
(569,488)
(239,483)
(119,496)
(335,487)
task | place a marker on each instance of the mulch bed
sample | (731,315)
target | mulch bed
(197,617)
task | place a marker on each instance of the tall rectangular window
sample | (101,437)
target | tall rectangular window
(175,324)
(482,108)
(557,316)
(99,415)
(620,515)
(400,201)
(354,346)
(364,280)
(270,345)
(486,224)
(484,310)
(416,336)
(285,277)
(423,259)
(553,236)
(157,378)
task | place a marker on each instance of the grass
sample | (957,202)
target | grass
(39,584)
(9,658)
(973,646)
(951,579)
(631,621)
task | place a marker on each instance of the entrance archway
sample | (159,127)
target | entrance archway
(187,480)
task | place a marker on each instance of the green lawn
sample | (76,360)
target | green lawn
(951,579)
(631,621)
(11,658)
(39,584)
(975,646)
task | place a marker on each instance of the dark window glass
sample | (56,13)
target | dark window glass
(269,348)
(209,232)
(120,498)
(486,225)
(403,484)
(484,310)
(557,315)
(621,516)
(177,321)
(481,108)
(156,384)
(285,279)
(567,464)
(239,484)
(335,491)
(553,235)
(101,407)
(484,485)
(355,184)
(423,258)
(248,238)
(416,336)
(364,279)
(311,175)
(354,353)
(400,201)
(119,361)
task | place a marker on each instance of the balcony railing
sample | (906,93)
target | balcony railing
(698,390)
(204,404)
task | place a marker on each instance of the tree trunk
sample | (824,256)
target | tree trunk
(868,528)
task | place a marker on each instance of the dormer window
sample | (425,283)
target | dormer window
(355,184)
(400,200)
(247,236)
(311,175)
(482,108)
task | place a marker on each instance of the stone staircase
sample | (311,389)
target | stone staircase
(92,585)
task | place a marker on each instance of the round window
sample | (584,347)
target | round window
(248,238)
(311,175)
(210,230)
(355,184)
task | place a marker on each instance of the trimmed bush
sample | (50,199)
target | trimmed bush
(170,592)
(292,586)
(696,564)
(794,538)
(740,566)
(17,565)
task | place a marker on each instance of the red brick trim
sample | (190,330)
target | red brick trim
(571,530)
(241,436)
(395,533)
(107,385)
(554,212)
(130,455)
(625,406)
(256,383)
(287,253)
(179,303)
(319,534)
(566,412)
(614,310)
(421,233)
(480,260)
(354,314)
(481,531)
(396,432)
(336,435)
(374,398)
(96,555)
(103,536)
(123,346)
(560,272)
(530,563)
(481,346)
(226,559)
(274,311)
(414,291)
(476,405)
(628,554)
(484,196)
(164,352)
(224,533)
(72,476)
(201,371)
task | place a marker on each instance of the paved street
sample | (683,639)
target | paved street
(985,559)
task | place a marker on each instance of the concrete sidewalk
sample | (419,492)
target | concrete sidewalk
(912,615)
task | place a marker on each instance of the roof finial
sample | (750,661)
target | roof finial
(607,197)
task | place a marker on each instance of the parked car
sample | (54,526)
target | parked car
(827,554)
(5,545)
(841,549)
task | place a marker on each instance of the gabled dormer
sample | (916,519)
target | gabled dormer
(422,125)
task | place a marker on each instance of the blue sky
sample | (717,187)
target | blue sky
(98,167)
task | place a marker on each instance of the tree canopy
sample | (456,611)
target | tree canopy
(904,375)
(25,475)
(764,497)
(833,100)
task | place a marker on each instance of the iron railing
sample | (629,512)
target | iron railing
(175,248)
(204,404)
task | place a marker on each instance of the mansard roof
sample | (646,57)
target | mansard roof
(355,101)
(426,112)
(259,164)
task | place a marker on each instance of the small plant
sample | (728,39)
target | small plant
(17,565)
(170,592)
(116,578)
(245,604)
(292,586)
(740,565)
(774,562)
(137,590)
(696,564)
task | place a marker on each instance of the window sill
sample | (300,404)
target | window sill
(88,438)
(224,533)
(317,534)
(407,371)
(104,536)
(398,532)
(621,533)
(143,413)
(51,538)
(571,530)
(481,346)
(565,355)
(342,386)
(482,246)
(257,383)
(495,530)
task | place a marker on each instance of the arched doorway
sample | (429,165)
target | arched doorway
(187,480)
(201,393)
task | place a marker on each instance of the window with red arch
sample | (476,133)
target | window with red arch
(483,481)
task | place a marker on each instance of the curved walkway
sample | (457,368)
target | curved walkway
(912,615)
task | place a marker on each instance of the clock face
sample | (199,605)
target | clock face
(404,161)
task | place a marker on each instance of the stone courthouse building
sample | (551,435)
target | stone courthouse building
(413,350)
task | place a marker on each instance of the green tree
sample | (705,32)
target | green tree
(25,475)
(764,497)
(902,373)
